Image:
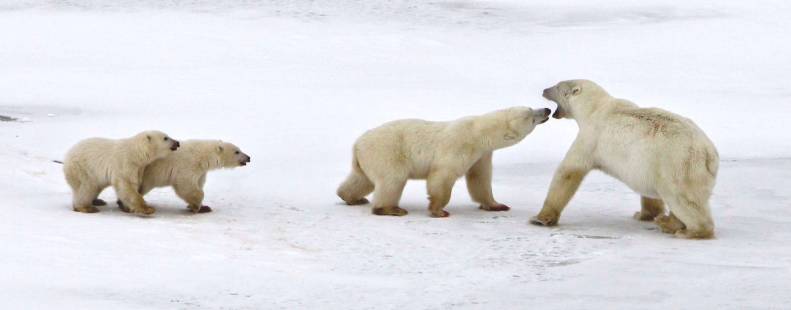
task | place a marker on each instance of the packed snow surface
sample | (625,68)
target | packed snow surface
(294,83)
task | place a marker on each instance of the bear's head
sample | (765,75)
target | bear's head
(157,144)
(230,156)
(509,126)
(575,98)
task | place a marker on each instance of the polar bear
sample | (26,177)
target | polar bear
(663,156)
(386,157)
(96,163)
(186,170)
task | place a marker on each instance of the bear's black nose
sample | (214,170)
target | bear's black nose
(547,111)
(175,145)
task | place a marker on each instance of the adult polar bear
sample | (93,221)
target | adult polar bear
(440,152)
(96,163)
(664,157)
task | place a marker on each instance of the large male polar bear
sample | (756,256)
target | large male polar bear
(664,157)
(96,163)
(384,158)
(186,170)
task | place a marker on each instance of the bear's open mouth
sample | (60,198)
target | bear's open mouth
(559,113)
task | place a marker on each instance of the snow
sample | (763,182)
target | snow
(295,82)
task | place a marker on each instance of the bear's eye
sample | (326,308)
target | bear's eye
(237,152)
(166,138)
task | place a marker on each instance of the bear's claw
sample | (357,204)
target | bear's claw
(98,202)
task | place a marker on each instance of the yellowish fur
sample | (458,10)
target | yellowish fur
(96,163)
(663,156)
(386,157)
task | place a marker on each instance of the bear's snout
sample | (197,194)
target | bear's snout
(545,115)
(547,93)
(174,145)
(245,160)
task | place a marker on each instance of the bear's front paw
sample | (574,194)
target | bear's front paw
(395,211)
(201,209)
(87,209)
(440,213)
(123,207)
(497,207)
(358,202)
(544,220)
(144,210)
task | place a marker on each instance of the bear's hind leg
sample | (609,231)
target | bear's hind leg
(669,224)
(693,212)
(696,218)
(387,195)
(355,188)
(650,209)
(84,197)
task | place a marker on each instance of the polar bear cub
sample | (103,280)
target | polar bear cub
(96,163)
(186,170)
(663,156)
(386,157)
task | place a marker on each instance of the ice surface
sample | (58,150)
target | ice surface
(295,82)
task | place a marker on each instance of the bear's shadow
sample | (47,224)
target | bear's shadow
(168,210)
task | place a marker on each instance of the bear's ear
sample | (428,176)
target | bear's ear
(148,137)
(576,90)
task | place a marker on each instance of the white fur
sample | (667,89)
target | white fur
(96,163)
(658,154)
(441,152)
(186,169)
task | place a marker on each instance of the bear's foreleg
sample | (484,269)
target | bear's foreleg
(479,185)
(440,185)
(127,192)
(567,179)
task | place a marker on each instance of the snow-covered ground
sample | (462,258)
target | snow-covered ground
(295,82)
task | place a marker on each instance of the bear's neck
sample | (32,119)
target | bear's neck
(211,162)
(595,107)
